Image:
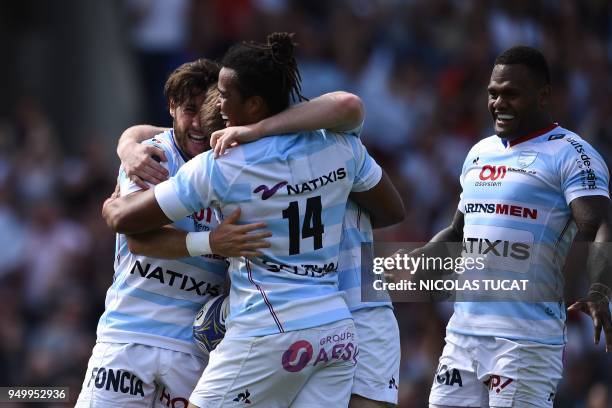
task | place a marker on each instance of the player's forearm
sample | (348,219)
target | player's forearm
(448,234)
(136,134)
(135,213)
(593,216)
(164,243)
(599,263)
(337,111)
(382,202)
(438,247)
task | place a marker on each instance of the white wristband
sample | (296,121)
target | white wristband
(198,243)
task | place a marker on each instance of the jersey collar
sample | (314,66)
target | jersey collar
(529,136)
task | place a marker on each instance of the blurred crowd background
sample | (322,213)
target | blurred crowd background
(76,73)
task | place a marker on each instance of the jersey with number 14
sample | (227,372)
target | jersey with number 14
(516,204)
(298,185)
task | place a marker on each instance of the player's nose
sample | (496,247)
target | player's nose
(498,102)
(195,122)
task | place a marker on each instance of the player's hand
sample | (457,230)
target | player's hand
(229,239)
(223,139)
(599,311)
(140,164)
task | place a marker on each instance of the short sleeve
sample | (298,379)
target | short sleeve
(368,173)
(582,171)
(127,186)
(356,132)
(190,189)
(461,206)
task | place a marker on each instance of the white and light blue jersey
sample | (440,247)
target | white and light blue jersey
(154,301)
(357,230)
(298,185)
(515,202)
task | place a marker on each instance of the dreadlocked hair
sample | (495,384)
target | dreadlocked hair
(268,70)
(190,80)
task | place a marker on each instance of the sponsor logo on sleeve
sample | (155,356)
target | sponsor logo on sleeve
(588,178)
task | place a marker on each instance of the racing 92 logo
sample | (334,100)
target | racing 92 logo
(297,356)
(489,172)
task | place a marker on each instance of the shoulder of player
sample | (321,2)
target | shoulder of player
(161,140)
(165,142)
(304,142)
(483,146)
(566,142)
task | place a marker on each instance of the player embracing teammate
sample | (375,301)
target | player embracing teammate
(286,310)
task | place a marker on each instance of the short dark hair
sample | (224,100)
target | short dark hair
(190,79)
(267,70)
(210,114)
(528,56)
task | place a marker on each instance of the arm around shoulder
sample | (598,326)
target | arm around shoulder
(135,213)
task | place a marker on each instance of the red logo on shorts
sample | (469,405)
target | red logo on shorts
(489,172)
(291,361)
(494,383)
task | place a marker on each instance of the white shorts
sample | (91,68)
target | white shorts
(484,371)
(303,368)
(135,375)
(377,370)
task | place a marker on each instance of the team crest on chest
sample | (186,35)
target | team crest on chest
(527,158)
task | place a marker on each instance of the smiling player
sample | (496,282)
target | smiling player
(509,354)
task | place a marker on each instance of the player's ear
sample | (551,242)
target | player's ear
(255,105)
(172,108)
(544,96)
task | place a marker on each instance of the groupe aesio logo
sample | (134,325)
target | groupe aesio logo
(297,356)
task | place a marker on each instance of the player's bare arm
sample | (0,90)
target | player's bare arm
(139,216)
(335,111)
(593,217)
(134,213)
(382,202)
(140,161)
(228,240)
(452,233)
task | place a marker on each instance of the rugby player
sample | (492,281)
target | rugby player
(145,355)
(290,339)
(376,379)
(509,354)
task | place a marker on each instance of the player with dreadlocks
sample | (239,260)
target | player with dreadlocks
(290,339)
